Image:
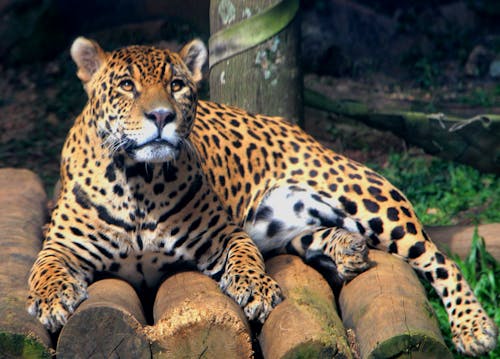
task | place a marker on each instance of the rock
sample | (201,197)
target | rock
(459,14)
(340,35)
(495,67)
(477,61)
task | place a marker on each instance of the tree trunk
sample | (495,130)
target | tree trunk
(22,215)
(265,78)
(472,141)
(194,319)
(109,324)
(306,323)
(387,308)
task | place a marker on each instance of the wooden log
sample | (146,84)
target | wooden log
(109,324)
(388,310)
(446,136)
(306,323)
(458,239)
(194,319)
(22,215)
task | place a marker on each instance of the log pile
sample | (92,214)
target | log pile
(385,311)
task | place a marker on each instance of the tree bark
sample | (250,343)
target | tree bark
(109,324)
(265,78)
(458,239)
(387,308)
(472,141)
(194,319)
(22,215)
(306,323)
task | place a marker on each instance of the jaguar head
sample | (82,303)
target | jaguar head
(142,100)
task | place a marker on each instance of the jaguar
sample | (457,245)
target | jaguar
(151,177)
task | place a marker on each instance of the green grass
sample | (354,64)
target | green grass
(427,73)
(443,191)
(480,97)
(451,190)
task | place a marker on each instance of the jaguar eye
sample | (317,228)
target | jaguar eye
(176,85)
(127,85)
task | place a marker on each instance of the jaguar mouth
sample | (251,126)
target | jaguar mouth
(157,150)
(156,143)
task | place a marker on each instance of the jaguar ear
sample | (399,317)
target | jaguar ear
(88,56)
(194,55)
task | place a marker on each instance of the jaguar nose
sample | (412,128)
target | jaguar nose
(160,117)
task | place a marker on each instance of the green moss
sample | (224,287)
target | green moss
(313,350)
(227,11)
(412,345)
(334,339)
(22,346)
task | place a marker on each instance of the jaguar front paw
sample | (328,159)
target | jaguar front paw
(257,294)
(53,306)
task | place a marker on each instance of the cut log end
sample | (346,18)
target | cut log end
(107,324)
(193,318)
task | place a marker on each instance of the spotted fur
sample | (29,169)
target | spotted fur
(292,194)
(145,184)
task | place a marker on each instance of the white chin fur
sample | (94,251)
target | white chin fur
(155,153)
